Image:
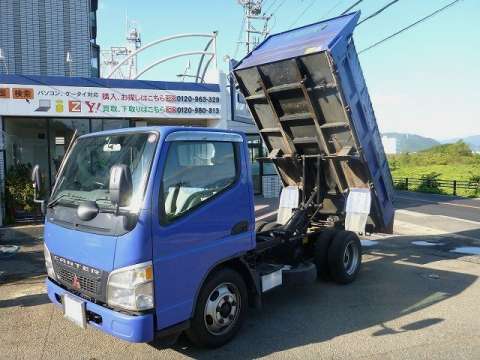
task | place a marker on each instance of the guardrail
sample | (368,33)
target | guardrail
(431,185)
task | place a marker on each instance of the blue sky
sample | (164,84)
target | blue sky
(425,81)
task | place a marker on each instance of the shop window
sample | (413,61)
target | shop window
(26,144)
(109,124)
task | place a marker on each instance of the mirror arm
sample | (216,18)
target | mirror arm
(36,200)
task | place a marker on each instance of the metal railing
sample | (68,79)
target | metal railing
(431,185)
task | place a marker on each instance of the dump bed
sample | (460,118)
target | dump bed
(306,92)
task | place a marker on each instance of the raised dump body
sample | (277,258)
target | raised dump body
(308,97)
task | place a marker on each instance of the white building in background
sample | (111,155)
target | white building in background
(49,37)
(389,145)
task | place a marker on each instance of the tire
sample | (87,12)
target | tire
(344,257)
(220,309)
(270,226)
(320,253)
(259,225)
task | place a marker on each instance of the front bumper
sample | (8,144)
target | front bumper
(138,328)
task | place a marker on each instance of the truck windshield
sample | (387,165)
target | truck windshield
(86,173)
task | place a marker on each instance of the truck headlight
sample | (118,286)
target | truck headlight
(48,263)
(131,287)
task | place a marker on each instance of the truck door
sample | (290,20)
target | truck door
(203,215)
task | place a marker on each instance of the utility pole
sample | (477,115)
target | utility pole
(254,20)
(112,57)
(134,42)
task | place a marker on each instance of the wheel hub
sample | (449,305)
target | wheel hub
(350,258)
(222,308)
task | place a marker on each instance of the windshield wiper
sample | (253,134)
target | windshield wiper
(55,201)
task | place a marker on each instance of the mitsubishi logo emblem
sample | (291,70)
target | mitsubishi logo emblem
(75,282)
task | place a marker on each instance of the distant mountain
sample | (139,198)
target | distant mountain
(473,141)
(411,142)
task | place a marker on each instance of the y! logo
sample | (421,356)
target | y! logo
(75,106)
(92,107)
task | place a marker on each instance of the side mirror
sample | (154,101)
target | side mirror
(120,185)
(37,187)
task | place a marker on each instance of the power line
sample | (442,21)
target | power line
(239,39)
(379,11)
(332,8)
(351,7)
(271,5)
(274,11)
(302,13)
(409,26)
(278,7)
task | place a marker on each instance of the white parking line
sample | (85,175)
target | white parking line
(438,202)
(260,207)
(410,229)
(411,213)
(423,215)
(267,215)
(459,219)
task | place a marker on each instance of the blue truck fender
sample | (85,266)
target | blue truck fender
(249,275)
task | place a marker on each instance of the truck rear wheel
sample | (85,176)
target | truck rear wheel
(220,310)
(344,257)
(320,253)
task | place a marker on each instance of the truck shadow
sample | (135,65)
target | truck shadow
(27,261)
(397,279)
(25,301)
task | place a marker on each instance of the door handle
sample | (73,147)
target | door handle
(240,227)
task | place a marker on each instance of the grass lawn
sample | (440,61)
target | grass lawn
(444,162)
(447,172)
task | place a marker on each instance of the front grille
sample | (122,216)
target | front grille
(86,284)
(92,281)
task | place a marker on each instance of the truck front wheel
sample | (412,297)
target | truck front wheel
(220,310)
(344,257)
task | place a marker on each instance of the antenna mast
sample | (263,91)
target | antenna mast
(112,57)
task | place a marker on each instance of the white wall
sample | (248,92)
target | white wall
(244,121)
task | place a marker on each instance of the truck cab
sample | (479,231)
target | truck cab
(137,221)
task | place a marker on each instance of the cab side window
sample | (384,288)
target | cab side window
(195,171)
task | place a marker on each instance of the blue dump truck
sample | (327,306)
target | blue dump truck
(150,232)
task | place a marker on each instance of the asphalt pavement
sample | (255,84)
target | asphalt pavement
(414,298)
(435,204)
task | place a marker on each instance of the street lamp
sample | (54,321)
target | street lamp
(69,61)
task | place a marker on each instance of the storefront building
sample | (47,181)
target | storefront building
(39,116)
